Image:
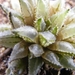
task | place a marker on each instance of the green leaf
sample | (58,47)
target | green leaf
(14,16)
(46,38)
(67,31)
(16,21)
(34,65)
(70,17)
(26,11)
(42,9)
(7,10)
(40,25)
(33,3)
(73,44)
(5,27)
(15,5)
(63,47)
(28,33)
(17,67)
(57,20)
(56,6)
(36,50)
(71,39)
(51,58)
(8,39)
(54,30)
(19,51)
(48,24)
(66,61)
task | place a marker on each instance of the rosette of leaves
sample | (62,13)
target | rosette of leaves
(40,31)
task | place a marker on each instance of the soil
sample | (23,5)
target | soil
(5,52)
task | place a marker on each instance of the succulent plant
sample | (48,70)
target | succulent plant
(40,31)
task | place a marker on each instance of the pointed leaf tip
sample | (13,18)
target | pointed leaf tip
(51,58)
(19,51)
(66,61)
(63,47)
(46,38)
(40,24)
(27,33)
(36,50)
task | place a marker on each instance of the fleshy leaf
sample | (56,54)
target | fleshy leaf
(28,33)
(35,65)
(19,51)
(17,67)
(66,61)
(48,24)
(40,25)
(8,39)
(56,6)
(36,50)
(73,44)
(67,31)
(7,10)
(63,47)
(46,38)
(16,21)
(5,27)
(57,20)
(26,11)
(71,39)
(51,58)
(54,30)
(70,17)
(15,5)
(14,16)
(42,9)
(33,3)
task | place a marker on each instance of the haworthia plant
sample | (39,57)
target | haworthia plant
(39,32)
